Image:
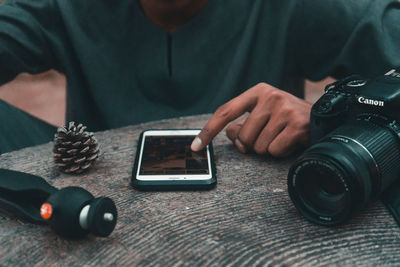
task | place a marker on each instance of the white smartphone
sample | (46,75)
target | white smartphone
(164,161)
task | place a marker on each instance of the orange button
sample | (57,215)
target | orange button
(46,210)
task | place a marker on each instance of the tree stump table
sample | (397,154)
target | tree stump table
(248,219)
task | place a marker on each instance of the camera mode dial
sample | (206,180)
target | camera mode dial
(356,83)
(332,102)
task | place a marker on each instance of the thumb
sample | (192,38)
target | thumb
(233,129)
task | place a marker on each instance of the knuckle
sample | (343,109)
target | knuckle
(262,87)
(261,84)
(223,111)
(276,95)
(288,110)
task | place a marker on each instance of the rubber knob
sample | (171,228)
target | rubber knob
(102,216)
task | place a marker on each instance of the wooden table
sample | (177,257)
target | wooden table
(248,219)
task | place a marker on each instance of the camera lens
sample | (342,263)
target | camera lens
(321,189)
(344,172)
(318,187)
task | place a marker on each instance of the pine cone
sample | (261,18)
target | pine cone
(75,150)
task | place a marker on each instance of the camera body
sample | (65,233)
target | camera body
(351,99)
(355,152)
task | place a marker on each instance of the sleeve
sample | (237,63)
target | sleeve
(340,37)
(26,29)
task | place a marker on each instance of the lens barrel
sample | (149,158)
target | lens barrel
(344,172)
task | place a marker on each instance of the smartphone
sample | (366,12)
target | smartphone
(164,161)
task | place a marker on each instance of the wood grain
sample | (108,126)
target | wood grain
(248,220)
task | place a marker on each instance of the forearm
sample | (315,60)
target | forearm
(24,44)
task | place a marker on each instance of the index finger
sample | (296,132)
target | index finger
(222,116)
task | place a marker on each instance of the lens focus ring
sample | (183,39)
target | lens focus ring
(380,142)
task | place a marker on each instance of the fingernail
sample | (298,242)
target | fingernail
(240,146)
(196,144)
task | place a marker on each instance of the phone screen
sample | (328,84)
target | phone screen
(170,157)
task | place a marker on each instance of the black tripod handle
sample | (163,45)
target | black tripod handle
(23,194)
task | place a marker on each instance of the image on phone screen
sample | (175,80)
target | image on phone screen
(167,155)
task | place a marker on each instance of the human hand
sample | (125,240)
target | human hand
(278,121)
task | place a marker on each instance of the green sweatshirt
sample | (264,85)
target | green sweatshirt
(121,69)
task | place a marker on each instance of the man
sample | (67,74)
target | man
(132,61)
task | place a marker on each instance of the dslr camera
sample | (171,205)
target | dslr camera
(355,152)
